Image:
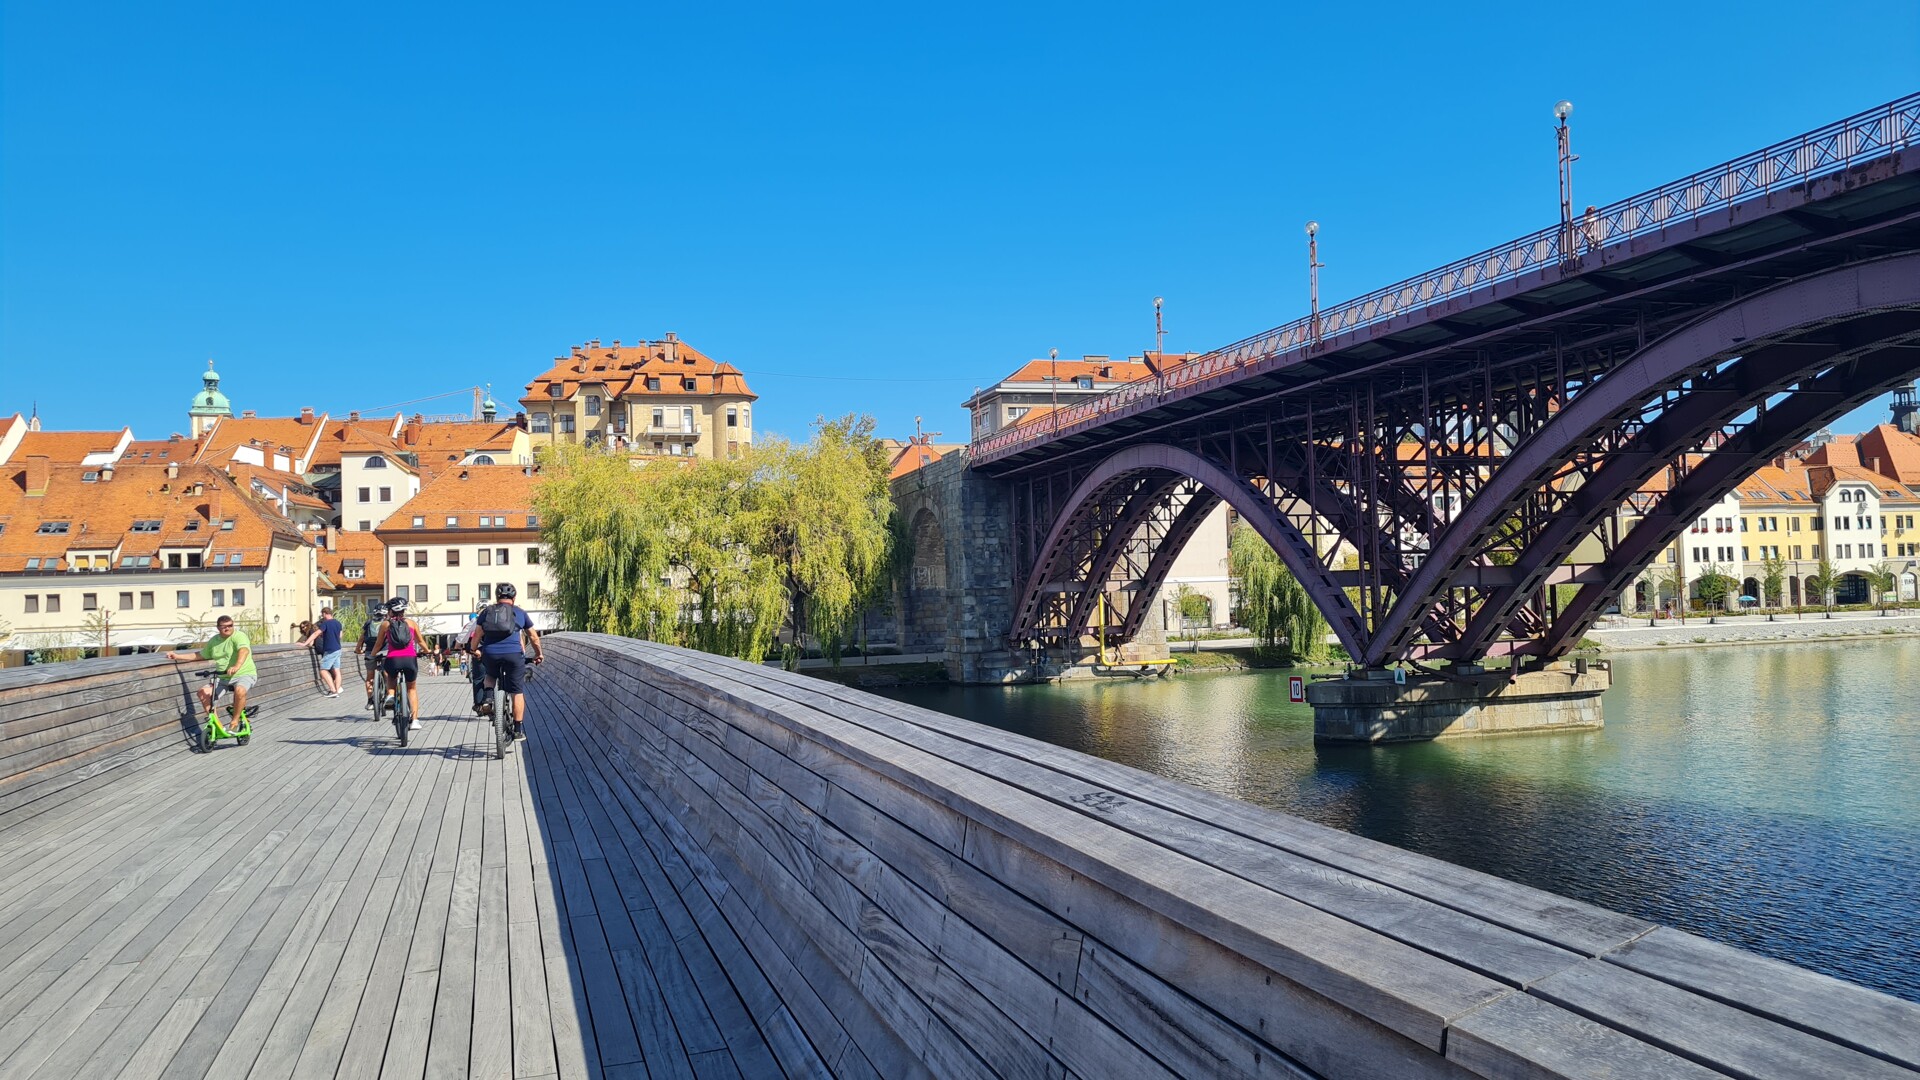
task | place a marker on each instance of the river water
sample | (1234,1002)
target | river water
(1767,797)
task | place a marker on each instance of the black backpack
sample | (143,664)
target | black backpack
(399,635)
(499,622)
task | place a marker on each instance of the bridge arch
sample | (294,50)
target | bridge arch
(1796,356)
(1131,515)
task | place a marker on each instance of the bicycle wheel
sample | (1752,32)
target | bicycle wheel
(402,709)
(502,721)
(206,736)
(379,693)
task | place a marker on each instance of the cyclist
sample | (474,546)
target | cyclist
(370,633)
(399,645)
(232,653)
(502,626)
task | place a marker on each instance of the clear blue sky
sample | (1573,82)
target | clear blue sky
(347,205)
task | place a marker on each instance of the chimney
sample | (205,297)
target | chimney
(673,351)
(353,418)
(333,538)
(106,473)
(213,507)
(173,470)
(463,474)
(246,414)
(413,429)
(38,473)
(306,414)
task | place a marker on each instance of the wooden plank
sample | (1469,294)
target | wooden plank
(1523,1037)
(1853,1016)
(1719,1036)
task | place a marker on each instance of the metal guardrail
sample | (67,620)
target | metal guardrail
(1840,145)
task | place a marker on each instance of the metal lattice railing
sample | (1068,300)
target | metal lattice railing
(1837,146)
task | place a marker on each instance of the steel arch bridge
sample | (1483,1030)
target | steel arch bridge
(1427,459)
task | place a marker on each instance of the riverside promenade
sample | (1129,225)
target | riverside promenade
(702,868)
(1628,633)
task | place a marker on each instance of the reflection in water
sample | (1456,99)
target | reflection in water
(1765,797)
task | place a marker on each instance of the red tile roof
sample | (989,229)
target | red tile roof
(624,371)
(466,493)
(67,447)
(366,550)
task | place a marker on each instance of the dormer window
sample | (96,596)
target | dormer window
(1084,382)
(653,383)
(419,521)
(54,528)
(193,525)
(227,525)
(556,391)
(689,385)
(376,462)
(89,477)
(147,525)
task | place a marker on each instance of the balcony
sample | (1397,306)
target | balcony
(672,431)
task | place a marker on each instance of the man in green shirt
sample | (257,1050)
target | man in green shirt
(232,655)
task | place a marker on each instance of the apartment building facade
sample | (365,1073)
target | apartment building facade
(472,528)
(650,398)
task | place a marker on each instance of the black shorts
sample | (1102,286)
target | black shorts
(394,665)
(507,672)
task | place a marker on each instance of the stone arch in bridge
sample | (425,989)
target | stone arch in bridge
(1790,359)
(924,623)
(1123,526)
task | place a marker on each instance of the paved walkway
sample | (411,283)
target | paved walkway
(324,903)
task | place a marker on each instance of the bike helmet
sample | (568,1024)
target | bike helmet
(397,606)
(377,609)
(504,591)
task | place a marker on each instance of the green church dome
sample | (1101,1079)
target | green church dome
(210,401)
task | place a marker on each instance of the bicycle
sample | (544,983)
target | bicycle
(402,707)
(380,689)
(502,709)
(211,730)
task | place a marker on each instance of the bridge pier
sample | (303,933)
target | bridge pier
(1369,706)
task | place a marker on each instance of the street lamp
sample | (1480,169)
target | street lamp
(1313,278)
(1561,110)
(1053,378)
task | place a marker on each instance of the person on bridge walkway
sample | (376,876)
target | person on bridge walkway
(232,654)
(501,627)
(325,640)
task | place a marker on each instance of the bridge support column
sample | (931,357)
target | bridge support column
(1370,707)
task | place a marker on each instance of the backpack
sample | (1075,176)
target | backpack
(399,635)
(499,622)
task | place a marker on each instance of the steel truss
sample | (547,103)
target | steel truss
(1431,509)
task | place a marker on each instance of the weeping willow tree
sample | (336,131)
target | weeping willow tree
(1273,603)
(720,555)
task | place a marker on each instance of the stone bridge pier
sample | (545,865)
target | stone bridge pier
(958,595)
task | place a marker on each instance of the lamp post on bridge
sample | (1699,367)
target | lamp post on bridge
(1053,381)
(1561,110)
(1313,280)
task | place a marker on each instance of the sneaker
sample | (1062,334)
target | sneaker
(415,726)
(519,733)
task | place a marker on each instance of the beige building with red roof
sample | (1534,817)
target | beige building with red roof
(649,398)
(141,556)
(465,532)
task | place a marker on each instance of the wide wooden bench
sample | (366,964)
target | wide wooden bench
(928,895)
(66,728)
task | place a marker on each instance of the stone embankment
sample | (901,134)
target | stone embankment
(1751,630)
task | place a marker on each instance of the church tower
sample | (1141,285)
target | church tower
(1906,410)
(209,405)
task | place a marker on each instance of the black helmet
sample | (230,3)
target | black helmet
(504,591)
(376,608)
(397,606)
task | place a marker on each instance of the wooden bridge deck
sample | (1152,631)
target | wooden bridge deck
(324,903)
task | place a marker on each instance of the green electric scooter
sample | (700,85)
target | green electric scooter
(212,730)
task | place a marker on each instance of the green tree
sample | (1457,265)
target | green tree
(1273,604)
(1674,581)
(1193,607)
(1715,586)
(1773,578)
(1823,581)
(1884,577)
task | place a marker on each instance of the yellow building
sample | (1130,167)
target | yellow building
(465,532)
(649,398)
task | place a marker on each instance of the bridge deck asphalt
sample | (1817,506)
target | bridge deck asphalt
(324,903)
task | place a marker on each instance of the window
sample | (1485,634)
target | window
(419,557)
(366,526)
(32,604)
(1015,412)
(453,521)
(419,522)
(146,601)
(193,524)
(89,601)
(1743,553)
(653,383)
(540,423)
(689,385)
(366,494)
(420,593)
(533,590)
(499,556)
(89,477)
(53,603)
(486,556)
(1814,524)
(147,525)
(235,559)
(181,599)
(227,525)
(1084,382)
(593,405)
(354,568)
(386,494)
(34,564)
(566,423)
(126,601)
(659,419)
(400,558)
(453,594)
(453,558)
(375,461)
(686,419)
(482,459)
(733,416)
(533,556)
(53,528)
(533,521)
(219,598)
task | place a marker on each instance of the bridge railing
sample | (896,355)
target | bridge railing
(1837,146)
